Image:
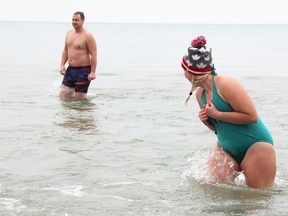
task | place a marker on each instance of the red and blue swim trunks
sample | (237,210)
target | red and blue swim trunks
(77,77)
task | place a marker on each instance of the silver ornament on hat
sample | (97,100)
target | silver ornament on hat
(201,65)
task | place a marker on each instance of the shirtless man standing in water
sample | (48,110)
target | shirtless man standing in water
(80,51)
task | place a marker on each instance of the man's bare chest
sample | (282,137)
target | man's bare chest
(76,42)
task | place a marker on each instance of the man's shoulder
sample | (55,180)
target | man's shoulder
(88,36)
(88,33)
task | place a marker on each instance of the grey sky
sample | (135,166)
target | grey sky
(149,11)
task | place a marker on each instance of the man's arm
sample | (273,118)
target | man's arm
(92,48)
(64,59)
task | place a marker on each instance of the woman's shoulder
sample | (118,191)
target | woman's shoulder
(225,78)
(223,81)
(229,86)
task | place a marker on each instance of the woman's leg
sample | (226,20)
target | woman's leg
(259,165)
(222,166)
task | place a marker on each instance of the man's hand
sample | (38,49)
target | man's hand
(62,70)
(92,76)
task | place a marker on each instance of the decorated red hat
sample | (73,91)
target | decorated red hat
(198,60)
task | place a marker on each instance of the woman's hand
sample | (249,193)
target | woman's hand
(203,116)
(211,110)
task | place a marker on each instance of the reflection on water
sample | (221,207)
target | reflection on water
(78,115)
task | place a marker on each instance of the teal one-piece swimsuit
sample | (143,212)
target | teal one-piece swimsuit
(235,139)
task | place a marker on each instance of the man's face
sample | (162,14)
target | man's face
(76,21)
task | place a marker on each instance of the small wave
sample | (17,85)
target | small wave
(121,198)
(132,141)
(68,190)
(11,204)
(73,151)
(116,184)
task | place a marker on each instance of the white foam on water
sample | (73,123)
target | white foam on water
(121,198)
(68,190)
(199,169)
(11,204)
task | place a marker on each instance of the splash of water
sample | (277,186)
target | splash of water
(201,172)
(55,88)
(198,168)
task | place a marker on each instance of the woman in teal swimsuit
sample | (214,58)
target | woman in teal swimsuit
(244,142)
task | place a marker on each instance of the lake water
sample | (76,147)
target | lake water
(132,148)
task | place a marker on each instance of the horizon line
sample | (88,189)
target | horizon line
(157,23)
